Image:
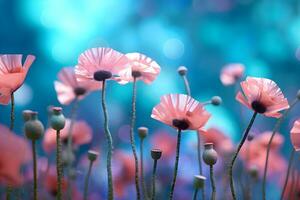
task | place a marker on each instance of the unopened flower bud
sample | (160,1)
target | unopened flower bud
(253,171)
(92,155)
(57,119)
(143,132)
(182,70)
(216,100)
(156,154)
(33,127)
(209,155)
(199,181)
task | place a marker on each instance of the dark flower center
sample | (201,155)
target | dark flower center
(136,74)
(181,124)
(79,91)
(102,75)
(258,107)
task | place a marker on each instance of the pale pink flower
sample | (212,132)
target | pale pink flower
(15,152)
(100,64)
(68,88)
(12,74)
(231,73)
(181,112)
(263,96)
(141,67)
(295,135)
(81,134)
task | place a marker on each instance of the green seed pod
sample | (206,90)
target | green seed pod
(57,119)
(92,155)
(143,132)
(156,154)
(33,127)
(182,70)
(199,181)
(216,100)
(209,155)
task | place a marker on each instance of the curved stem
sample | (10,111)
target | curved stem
(200,160)
(195,194)
(132,141)
(12,111)
(176,164)
(212,181)
(288,173)
(153,179)
(34,170)
(69,146)
(142,169)
(86,181)
(276,128)
(110,145)
(236,154)
(187,85)
(58,166)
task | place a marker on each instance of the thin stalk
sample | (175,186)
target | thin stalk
(12,111)
(212,181)
(153,179)
(276,128)
(109,143)
(195,194)
(69,146)
(187,85)
(142,169)
(8,192)
(58,166)
(132,141)
(295,184)
(86,181)
(176,165)
(288,173)
(34,170)
(200,160)
(236,154)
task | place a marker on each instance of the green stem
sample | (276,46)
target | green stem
(34,170)
(276,128)
(200,161)
(109,143)
(142,169)
(12,111)
(212,181)
(236,154)
(153,179)
(195,194)
(58,166)
(69,147)
(132,141)
(86,182)
(288,173)
(176,165)
(8,192)
(186,85)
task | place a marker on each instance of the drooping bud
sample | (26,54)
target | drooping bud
(33,127)
(209,155)
(199,181)
(57,119)
(216,100)
(92,155)
(182,70)
(156,154)
(143,132)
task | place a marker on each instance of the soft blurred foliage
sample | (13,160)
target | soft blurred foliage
(203,35)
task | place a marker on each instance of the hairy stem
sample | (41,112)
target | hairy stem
(58,166)
(12,111)
(212,182)
(145,193)
(200,161)
(109,143)
(236,154)
(34,170)
(176,165)
(86,181)
(276,128)
(153,179)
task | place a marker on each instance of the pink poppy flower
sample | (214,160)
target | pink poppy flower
(231,73)
(12,74)
(68,88)
(15,152)
(254,153)
(295,135)
(81,134)
(124,172)
(100,64)
(222,143)
(181,112)
(263,96)
(141,67)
